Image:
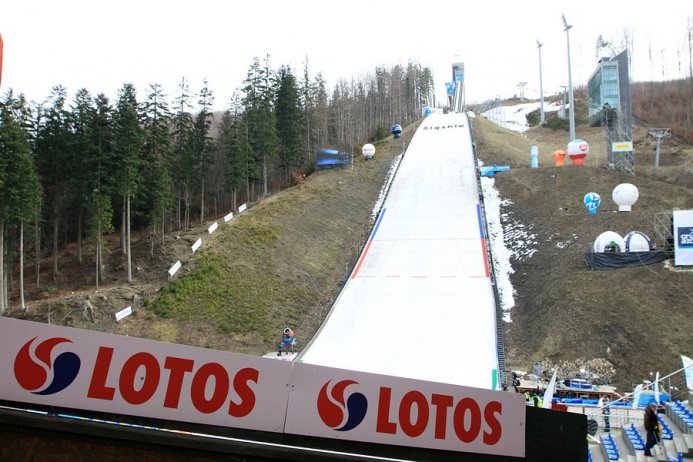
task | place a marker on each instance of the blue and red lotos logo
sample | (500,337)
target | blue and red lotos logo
(41,376)
(338,413)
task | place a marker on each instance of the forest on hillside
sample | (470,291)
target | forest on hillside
(72,172)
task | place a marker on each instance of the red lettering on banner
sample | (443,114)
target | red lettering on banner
(219,392)
(383,424)
(442,403)
(97,386)
(240,386)
(139,379)
(416,428)
(178,368)
(128,378)
(414,416)
(496,429)
(467,435)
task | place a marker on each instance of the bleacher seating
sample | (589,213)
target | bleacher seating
(633,438)
(609,447)
(681,415)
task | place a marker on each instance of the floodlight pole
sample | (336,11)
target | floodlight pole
(541,88)
(571,108)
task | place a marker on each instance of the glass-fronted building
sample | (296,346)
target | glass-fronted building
(609,91)
(603,90)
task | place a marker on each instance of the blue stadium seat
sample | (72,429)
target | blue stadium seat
(609,446)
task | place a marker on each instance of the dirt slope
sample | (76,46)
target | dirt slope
(636,319)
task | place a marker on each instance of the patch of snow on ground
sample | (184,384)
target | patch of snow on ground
(515,117)
(383,191)
(500,253)
(519,238)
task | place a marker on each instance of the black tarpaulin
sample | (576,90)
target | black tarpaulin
(600,261)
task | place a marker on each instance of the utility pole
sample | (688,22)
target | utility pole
(541,88)
(658,134)
(571,108)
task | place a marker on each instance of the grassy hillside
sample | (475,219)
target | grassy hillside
(633,320)
(279,263)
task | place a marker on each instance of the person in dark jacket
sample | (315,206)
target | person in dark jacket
(651,427)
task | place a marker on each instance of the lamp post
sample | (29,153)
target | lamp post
(571,108)
(541,88)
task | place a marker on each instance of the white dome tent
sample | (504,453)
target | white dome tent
(611,251)
(609,241)
(637,241)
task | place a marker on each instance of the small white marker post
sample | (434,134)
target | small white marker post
(123,313)
(174,268)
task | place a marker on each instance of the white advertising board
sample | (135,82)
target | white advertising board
(196,245)
(213,227)
(683,237)
(123,313)
(66,367)
(343,404)
(228,217)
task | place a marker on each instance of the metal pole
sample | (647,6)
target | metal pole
(571,109)
(656,161)
(541,89)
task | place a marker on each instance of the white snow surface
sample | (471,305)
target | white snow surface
(419,303)
(515,117)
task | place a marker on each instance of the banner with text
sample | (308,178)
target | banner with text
(683,237)
(80,369)
(94,371)
(338,403)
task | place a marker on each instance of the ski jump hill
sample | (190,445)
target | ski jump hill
(419,302)
(407,365)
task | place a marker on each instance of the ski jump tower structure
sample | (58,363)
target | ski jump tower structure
(457,101)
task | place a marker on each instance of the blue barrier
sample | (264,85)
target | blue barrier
(489,171)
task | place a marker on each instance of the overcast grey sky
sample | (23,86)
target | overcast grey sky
(99,45)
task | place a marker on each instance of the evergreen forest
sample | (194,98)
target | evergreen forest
(73,170)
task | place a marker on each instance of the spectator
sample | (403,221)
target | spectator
(651,427)
(516,382)
(287,342)
(606,411)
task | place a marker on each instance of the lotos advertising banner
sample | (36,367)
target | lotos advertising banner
(88,370)
(65,367)
(343,404)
